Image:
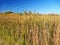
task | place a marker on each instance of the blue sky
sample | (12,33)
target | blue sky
(41,6)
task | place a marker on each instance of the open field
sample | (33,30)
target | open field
(16,29)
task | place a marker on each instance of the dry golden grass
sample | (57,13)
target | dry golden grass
(16,29)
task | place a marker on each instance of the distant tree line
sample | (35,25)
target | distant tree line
(26,13)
